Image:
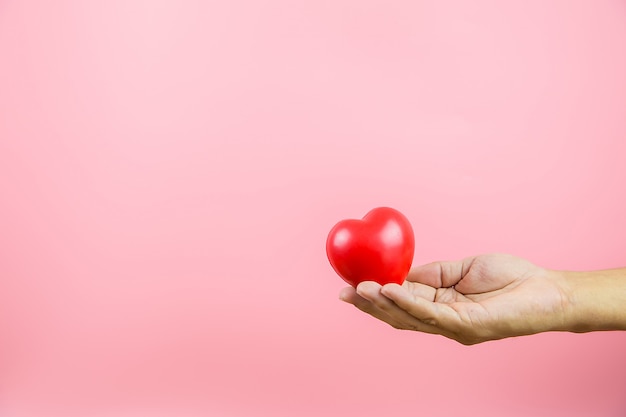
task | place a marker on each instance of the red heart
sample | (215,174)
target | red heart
(378,248)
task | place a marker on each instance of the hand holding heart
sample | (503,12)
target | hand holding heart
(474,300)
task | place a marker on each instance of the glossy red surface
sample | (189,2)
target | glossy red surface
(378,248)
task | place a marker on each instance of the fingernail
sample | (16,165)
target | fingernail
(366,286)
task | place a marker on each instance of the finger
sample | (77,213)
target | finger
(433,314)
(349,295)
(372,292)
(420,290)
(440,274)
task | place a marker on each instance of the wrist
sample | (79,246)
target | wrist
(592,301)
(573,303)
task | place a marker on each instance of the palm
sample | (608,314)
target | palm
(489,290)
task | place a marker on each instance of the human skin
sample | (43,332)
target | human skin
(495,296)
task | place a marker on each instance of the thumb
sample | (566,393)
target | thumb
(441,274)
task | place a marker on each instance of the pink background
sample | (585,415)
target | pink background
(169,171)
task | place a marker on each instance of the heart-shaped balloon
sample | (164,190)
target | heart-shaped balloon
(379,247)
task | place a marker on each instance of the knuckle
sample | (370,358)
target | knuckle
(468,338)
(466,341)
(431,321)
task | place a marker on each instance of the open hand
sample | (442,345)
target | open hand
(476,299)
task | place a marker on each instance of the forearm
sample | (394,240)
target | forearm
(594,300)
